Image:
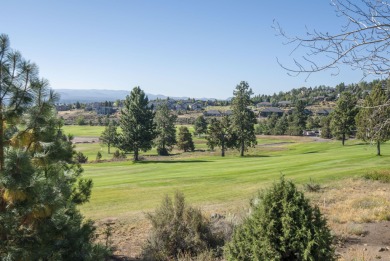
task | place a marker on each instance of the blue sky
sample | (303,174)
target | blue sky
(176,48)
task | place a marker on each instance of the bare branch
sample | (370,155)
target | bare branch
(362,43)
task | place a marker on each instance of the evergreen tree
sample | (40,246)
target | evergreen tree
(220,134)
(300,117)
(185,140)
(200,125)
(243,119)
(313,123)
(372,119)
(40,186)
(109,136)
(343,117)
(281,125)
(16,76)
(271,122)
(283,226)
(325,127)
(166,130)
(136,122)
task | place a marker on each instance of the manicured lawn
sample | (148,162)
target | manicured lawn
(124,188)
(84,131)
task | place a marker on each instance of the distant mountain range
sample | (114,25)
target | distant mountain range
(95,95)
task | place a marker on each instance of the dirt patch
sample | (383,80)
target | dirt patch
(77,140)
(373,243)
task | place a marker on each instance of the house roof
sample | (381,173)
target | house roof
(272,110)
(264,104)
(284,103)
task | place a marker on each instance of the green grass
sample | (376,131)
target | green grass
(124,188)
(84,130)
(91,149)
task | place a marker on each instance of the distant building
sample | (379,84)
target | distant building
(213,113)
(105,110)
(323,112)
(271,110)
(284,103)
(263,104)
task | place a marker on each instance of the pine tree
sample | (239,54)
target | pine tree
(326,132)
(373,118)
(243,119)
(220,134)
(166,130)
(136,122)
(40,185)
(282,226)
(200,125)
(343,117)
(281,125)
(185,140)
(109,136)
(299,119)
(16,76)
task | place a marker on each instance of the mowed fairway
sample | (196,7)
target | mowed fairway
(123,189)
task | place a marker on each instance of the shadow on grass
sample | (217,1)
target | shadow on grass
(171,161)
(256,156)
(311,152)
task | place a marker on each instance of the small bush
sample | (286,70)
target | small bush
(80,121)
(162,152)
(98,156)
(380,175)
(356,229)
(283,226)
(178,230)
(312,187)
(118,155)
(80,158)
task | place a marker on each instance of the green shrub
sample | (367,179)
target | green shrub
(282,226)
(379,175)
(178,230)
(80,120)
(98,156)
(80,158)
(118,155)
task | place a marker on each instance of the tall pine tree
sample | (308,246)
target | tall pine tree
(40,185)
(136,122)
(166,130)
(343,117)
(221,134)
(243,119)
(109,136)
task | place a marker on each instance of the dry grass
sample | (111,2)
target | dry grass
(354,200)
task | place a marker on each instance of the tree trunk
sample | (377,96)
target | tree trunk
(343,139)
(378,148)
(136,154)
(108,148)
(242,149)
(223,149)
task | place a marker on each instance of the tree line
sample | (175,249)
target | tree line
(142,128)
(366,119)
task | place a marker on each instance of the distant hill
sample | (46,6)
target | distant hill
(95,95)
